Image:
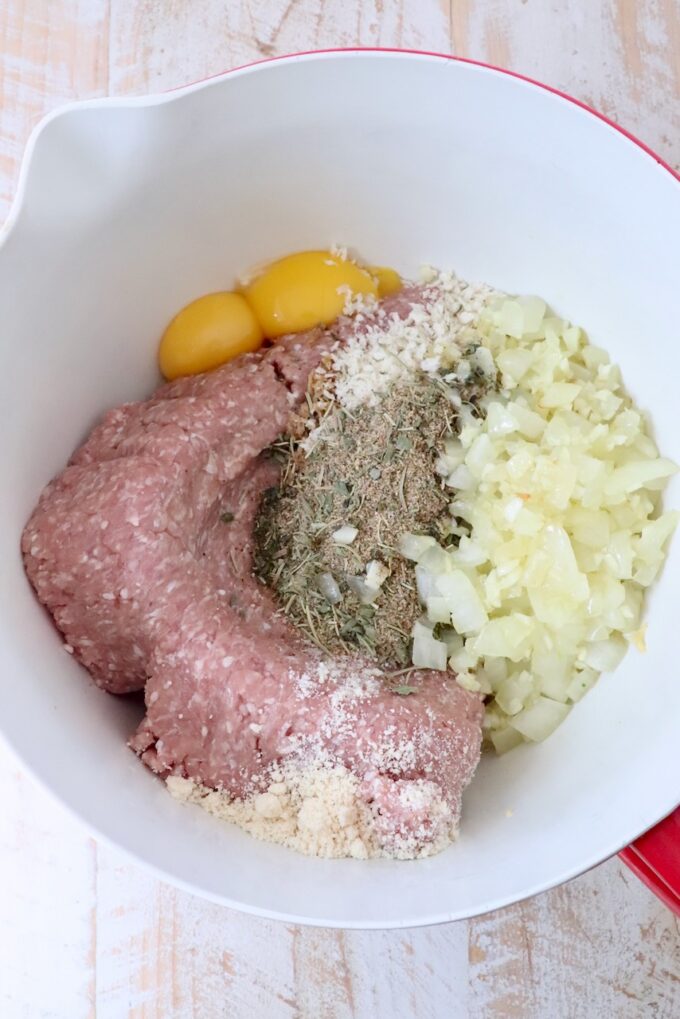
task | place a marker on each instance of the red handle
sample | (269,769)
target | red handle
(655,858)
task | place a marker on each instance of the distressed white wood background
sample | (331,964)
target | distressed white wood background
(82,932)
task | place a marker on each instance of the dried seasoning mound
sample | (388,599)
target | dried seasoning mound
(373,470)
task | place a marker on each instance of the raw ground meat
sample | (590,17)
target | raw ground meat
(141,550)
(113,548)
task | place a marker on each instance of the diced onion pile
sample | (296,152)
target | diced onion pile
(555,504)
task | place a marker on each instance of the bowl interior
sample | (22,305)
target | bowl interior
(130,209)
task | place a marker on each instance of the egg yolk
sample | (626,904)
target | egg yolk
(207,333)
(389,281)
(290,295)
(304,290)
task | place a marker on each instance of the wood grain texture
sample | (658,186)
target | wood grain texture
(620,56)
(145,54)
(51,53)
(83,932)
(47,904)
(109,935)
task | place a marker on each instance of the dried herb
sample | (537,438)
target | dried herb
(226,517)
(373,469)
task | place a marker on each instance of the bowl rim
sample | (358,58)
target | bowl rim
(11,221)
(177,91)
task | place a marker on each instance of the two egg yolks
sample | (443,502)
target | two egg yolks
(290,295)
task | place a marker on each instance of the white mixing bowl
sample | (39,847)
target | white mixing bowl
(129,208)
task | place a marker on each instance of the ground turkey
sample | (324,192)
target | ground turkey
(141,550)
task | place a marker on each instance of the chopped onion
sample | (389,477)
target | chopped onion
(530,424)
(496,670)
(468,553)
(467,681)
(438,610)
(634,475)
(536,722)
(462,660)
(581,683)
(482,360)
(500,420)
(425,583)
(533,309)
(655,534)
(557,485)
(454,642)
(435,560)
(506,637)
(510,318)
(465,605)
(605,655)
(428,653)
(376,574)
(461,478)
(345,535)
(364,592)
(412,546)
(555,671)
(513,692)
(480,453)
(505,739)
(328,586)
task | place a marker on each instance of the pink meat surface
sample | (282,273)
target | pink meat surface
(141,550)
(114,547)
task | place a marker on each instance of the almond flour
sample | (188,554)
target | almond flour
(310,802)
(319,811)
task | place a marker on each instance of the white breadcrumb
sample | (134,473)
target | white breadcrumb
(425,340)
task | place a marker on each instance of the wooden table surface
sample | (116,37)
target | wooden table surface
(83,932)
